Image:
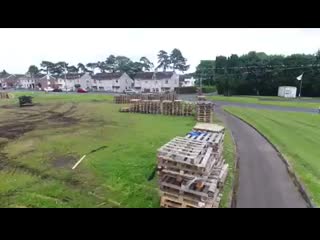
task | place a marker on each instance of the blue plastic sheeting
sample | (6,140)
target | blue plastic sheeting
(195,134)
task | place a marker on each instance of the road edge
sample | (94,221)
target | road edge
(235,184)
(232,198)
(290,170)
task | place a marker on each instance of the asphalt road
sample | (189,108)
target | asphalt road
(193,97)
(263,178)
(264,181)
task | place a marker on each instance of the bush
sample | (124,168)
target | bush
(185,90)
(209,89)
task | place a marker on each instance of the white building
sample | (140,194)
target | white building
(111,82)
(287,92)
(156,81)
(188,82)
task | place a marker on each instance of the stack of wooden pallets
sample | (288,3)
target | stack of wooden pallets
(166,107)
(202,98)
(204,111)
(192,170)
(4,95)
(123,99)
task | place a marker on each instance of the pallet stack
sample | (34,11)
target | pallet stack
(4,95)
(202,98)
(192,170)
(124,99)
(204,111)
(166,107)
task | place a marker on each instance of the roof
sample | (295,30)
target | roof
(72,75)
(107,76)
(153,75)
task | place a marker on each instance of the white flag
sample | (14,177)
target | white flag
(300,77)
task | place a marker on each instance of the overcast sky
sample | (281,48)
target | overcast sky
(19,48)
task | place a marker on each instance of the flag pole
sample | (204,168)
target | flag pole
(300,88)
(301,85)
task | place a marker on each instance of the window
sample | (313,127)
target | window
(146,81)
(167,81)
(156,81)
(116,81)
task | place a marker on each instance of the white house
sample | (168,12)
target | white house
(188,82)
(287,92)
(113,82)
(26,82)
(156,81)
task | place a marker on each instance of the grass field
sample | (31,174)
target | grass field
(229,156)
(271,101)
(296,135)
(40,144)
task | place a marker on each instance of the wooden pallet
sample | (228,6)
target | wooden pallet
(214,139)
(4,95)
(188,188)
(172,201)
(208,127)
(186,151)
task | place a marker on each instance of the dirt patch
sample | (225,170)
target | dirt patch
(14,131)
(64,161)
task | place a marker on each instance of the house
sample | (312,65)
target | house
(3,76)
(156,81)
(11,80)
(26,82)
(187,80)
(113,82)
(43,81)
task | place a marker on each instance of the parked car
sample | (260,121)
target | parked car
(57,90)
(49,89)
(129,91)
(81,90)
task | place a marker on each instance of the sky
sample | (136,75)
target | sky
(20,48)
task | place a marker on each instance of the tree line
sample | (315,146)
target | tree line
(112,64)
(257,73)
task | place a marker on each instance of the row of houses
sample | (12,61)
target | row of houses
(113,82)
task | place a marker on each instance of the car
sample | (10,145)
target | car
(81,90)
(129,91)
(48,89)
(57,90)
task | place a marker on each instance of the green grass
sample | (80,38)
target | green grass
(43,97)
(274,101)
(297,136)
(229,156)
(114,177)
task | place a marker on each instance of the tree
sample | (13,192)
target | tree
(122,64)
(59,69)
(178,61)
(72,69)
(92,66)
(82,68)
(102,66)
(205,72)
(163,60)
(46,66)
(111,63)
(33,70)
(146,63)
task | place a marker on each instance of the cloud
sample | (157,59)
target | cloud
(19,48)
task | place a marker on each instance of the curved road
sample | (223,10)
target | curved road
(264,181)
